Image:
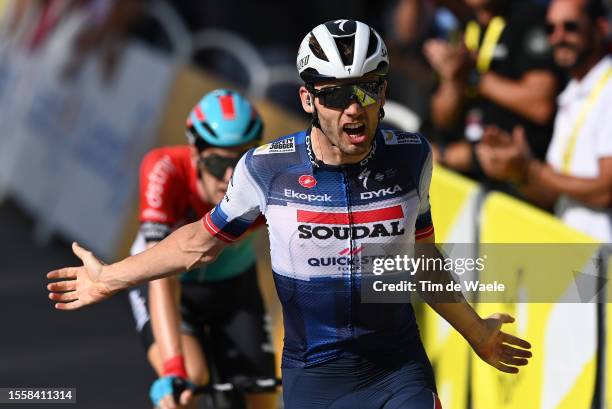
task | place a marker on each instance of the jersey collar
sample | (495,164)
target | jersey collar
(316,163)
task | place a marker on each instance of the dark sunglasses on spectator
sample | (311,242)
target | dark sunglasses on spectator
(569,26)
(340,96)
(217,165)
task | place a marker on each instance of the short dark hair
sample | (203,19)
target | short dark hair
(596,9)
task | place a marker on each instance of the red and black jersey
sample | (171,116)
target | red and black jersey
(168,192)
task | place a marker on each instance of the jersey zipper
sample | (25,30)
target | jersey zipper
(347,192)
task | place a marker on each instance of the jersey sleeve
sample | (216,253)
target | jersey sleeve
(157,194)
(240,207)
(424,224)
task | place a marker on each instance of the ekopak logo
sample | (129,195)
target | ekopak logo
(307,181)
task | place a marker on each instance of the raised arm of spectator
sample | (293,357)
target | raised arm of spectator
(452,64)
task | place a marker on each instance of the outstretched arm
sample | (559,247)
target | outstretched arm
(485,336)
(188,247)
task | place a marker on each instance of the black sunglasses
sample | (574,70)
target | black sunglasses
(569,26)
(366,93)
(217,165)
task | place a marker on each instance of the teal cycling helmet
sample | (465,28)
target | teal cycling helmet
(223,118)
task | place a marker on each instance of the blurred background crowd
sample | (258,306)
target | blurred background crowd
(466,90)
(88,86)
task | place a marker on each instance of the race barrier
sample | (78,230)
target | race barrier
(561,373)
(71,146)
(447,350)
(568,368)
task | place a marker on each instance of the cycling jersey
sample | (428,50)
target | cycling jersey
(221,304)
(169,198)
(319,217)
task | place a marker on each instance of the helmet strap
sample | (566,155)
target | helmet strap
(315,119)
(314,122)
(381,114)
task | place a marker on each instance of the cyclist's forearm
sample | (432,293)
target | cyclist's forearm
(165,317)
(188,247)
(427,249)
(452,306)
(462,317)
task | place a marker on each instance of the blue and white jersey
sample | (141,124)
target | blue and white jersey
(319,217)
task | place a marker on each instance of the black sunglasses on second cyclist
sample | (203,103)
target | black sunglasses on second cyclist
(217,165)
(569,26)
(340,96)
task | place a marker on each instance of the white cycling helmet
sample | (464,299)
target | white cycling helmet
(341,49)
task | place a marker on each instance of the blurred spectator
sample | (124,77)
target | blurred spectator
(411,23)
(104,33)
(31,21)
(10,17)
(51,13)
(578,172)
(502,73)
(105,27)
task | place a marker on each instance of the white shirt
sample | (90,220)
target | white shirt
(594,141)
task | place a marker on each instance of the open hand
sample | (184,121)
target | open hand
(78,286)
(449,61)
(498,348)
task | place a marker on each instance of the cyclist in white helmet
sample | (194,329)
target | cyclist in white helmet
(326,192)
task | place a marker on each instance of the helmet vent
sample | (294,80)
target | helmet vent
(209,129)
(250,127)
(372,44)
(316,49)
(346,46)
(199,142)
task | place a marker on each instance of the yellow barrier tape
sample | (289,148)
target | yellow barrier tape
(541,384)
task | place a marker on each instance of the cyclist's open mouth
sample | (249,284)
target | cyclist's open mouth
(355,132)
